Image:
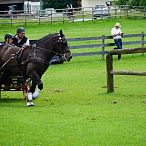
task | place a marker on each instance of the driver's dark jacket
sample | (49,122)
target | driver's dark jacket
(21,43)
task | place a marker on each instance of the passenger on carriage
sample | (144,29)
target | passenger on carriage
(20,40)
(8,39)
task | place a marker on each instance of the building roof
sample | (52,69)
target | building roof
(15,1)
(11,1)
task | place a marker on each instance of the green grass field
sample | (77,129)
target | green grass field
(78,29)
(74,108)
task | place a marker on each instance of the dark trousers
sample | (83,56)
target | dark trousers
(118,43)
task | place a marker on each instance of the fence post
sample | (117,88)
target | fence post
(120,12)
(110,79)
(101,13)
(103,45)
(73,15)
(92,14)
(83,13)
(51,17)
(144,13)
(63,18)
(142,39)
(39,13)
(126,11)
(115,11)
(11,21)
(25,21)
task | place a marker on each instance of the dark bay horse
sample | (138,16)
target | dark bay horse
(32,61)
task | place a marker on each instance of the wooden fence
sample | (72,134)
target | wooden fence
(61,15)
(111,72)
(99,45)
(101,48)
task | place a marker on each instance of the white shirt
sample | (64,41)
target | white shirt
(27,43)
(116,31)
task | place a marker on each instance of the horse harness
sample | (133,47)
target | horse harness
(32,57)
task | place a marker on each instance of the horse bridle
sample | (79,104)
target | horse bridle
(60,40)
(34,45)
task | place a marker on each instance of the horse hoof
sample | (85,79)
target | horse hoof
(30,103)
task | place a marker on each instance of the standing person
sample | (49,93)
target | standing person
(8,39)
(117,36)
(68,10)
(20,40)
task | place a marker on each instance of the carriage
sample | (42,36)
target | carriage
(14,83)
(21,69)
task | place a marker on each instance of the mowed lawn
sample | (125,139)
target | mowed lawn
(78,29)
(74,108)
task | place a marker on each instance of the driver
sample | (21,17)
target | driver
(20,40)
(8,39)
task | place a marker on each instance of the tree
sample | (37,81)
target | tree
(132,2)
(121,2)
(58,4)
(143,3)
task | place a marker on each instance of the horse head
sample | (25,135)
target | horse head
(57,44)
(61,46)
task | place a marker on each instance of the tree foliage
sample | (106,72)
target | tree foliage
(143,3)
(121,2)
(132,2)
(58,4)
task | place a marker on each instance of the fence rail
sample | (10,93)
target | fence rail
(101,47)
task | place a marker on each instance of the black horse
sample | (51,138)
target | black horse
(32,61)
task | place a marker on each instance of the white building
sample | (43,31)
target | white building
(27,5)
(31,6)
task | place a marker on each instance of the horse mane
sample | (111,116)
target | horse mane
(47,36)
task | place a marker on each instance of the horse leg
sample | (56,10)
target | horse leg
(36,81)
(37,92)
(32,93)
(28,95)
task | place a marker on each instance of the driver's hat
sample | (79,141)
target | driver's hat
(118,24)
(20,30)
(8,36)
